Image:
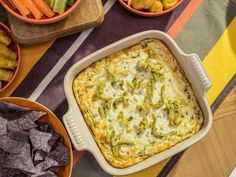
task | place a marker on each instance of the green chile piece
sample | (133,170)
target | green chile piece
(101,112)
(142,109)
(125,101)
(150,90)
(122,119)
(101,87)
(156,132)
(142,126)
(117,102)
(163,89)
(114,138)
(149,65)
(159,104)
(136,82)
(125,142)
(119,84)
(174,112)
(110,76)
(131,86)
(120,100)
(158,76)
(107,106)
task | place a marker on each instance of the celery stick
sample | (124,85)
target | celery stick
(52,3)
(60,6)
(70,2)
(48,2)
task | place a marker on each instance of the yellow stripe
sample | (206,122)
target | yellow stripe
(220,64)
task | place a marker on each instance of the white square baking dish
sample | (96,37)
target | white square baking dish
(78,130)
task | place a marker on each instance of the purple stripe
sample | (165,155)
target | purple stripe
(43,66)
(113,30)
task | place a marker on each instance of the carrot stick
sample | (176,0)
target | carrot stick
(32,8)
(43,7)
(21,7)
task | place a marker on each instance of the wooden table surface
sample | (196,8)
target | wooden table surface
(215,155)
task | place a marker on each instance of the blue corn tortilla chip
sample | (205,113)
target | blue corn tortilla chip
(10,116)
(20,136)
(53,139)
(3,155)
(44,127)
(25,121)
(34,115)
(10,107)
(11,111)
(28,115)
(40,172)
(21,161)
(3,126)
(11,173)
(9,145)
(40,140)
(29,148)
(39,156)
(49,163)
(13,126)
(45,174)
(54,169)
(59,156)
(39,168)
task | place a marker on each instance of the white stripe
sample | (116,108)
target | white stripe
(83,36)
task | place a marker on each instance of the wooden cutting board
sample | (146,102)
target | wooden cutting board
(89,14)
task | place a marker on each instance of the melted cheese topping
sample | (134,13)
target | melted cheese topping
(137,103)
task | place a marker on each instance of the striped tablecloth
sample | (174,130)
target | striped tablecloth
(207,28)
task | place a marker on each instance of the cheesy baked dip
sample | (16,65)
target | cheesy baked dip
(137,103)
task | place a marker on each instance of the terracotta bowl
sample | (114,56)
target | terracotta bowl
(15,47)
(44,20)
(148,14)
(51,119)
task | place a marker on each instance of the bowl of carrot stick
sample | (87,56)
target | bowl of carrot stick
(40,11)
(10,57)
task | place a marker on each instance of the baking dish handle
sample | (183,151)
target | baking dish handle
(73,130)
(196,64)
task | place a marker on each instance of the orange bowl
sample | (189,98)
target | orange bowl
(51,119)
(44,20)
(15,47)
(148,14)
